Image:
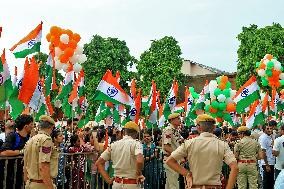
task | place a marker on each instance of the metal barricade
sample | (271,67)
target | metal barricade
(77,170)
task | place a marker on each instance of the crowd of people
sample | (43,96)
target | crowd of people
(200,156)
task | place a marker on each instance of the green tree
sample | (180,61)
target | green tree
(161,63)
(103,54)
(255,44)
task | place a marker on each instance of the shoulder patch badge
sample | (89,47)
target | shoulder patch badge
(45,150)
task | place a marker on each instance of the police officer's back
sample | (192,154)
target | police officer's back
(41,157)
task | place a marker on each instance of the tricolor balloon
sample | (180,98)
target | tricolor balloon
(65,45)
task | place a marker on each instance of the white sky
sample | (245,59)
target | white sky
(205,29)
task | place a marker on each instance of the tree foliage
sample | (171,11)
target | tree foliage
(161,63)
(103,54)
(255,44)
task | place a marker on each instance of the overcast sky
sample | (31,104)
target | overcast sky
(205,29)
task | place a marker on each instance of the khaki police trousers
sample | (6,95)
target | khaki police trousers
(248,176)
(172,178)
(34,185)
(125,186)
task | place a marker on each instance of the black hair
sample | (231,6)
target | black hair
(23,120)
(234,133)
(272,123)
(101,134)
(225,130)
(217,132)
(87,129)
(247,133)
(184,132)
(194,132)
(282,127)
(55,133)
(73,140)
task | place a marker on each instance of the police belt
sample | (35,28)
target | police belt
(125,180)
(246,161)
(206,187)
(36,181)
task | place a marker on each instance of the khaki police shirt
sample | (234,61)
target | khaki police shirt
(171,136)
(247,148)
(205,155)
(40,149)
(123,155)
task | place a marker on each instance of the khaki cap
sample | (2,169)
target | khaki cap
(205,118)
(173,115)
(47,118)
(243,129)
(131,125)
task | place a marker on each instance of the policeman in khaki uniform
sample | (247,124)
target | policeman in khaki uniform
(41,157)
(247,151)
(170,142)
(127,158)
(205,155)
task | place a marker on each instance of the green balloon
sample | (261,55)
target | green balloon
(222,106)
(268,73)
(281,69)
(227,117)
(264,81)
(213,115)
(257,64)
(215,104)
(207,108)
(217,92)
(281,82)
(228,85)
(219,114)
(227,92)
(270,64)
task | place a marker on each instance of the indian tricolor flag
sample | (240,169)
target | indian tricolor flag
(274,102)
(29,44)
(134,113)
(265,103)
(145,101)
(153,104)
(6,87)
(171,100)
(256,116)
(109,90)
(205,94)
(179,108)
(190,114)
(247,94)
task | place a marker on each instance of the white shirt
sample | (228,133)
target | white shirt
(3,136)
(266,144)
(279,147)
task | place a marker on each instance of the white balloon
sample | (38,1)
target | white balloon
(58,51)
(79,50)
(233,93)
(65,67)
(265,61)
(77,68)
(261,72)
(58,65)
(281,76)
(82,58)
(74,59)
(221,98)
(277,65)
(207,102)
(64,38)
(212,85)
(229,100)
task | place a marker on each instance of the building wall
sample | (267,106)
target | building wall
(191,69)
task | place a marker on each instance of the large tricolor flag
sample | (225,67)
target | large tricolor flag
(109,90)
(153,105)
(274,102)
(29,44)
(246,95)
(171,100)
(50,82)
(136,108)
(30,82)
(256,116)
(6,87)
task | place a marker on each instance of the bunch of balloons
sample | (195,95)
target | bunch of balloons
(220,104)
(67,51)
(270,71)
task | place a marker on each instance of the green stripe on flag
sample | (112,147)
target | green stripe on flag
(24,53)
(246,102)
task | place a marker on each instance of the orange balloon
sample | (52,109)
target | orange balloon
(55,31)
(63,58)
(224,79)
(262,66)
(72,44)
(231,107)
(269,56)
(69,52)
(76,37)
(48,36)
(62,46)
(222,86)
(69,33)
(277,84)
